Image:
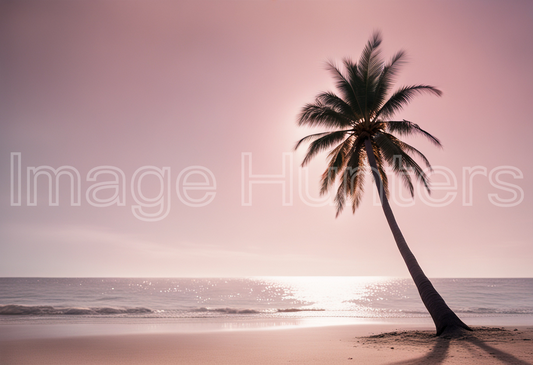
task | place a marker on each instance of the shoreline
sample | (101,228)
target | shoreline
(49,327)
(364,343)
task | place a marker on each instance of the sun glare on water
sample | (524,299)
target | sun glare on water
(339,294)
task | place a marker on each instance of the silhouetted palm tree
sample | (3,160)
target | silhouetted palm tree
(360,130)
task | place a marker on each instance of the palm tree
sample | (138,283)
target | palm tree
(360,131)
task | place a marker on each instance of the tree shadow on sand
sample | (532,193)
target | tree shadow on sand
(502,356)
(470,341)
(437,355)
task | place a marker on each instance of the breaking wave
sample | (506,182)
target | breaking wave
(291,310)
(47,310)
(225,310)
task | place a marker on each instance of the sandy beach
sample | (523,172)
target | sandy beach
(362,344)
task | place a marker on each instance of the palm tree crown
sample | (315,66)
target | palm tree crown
(362,110)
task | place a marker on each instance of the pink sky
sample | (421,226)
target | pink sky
(192,86)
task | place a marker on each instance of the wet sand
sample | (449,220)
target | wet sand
(350,344)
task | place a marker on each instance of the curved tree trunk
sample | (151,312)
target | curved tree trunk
(446,321)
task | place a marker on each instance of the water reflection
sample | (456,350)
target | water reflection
(338,294)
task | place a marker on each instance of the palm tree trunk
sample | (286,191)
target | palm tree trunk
(446,321)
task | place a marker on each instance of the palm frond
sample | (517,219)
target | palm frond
(405,128)
(357,86)
(369,69)
(381,169)
(345,88)
(311,136)
(331,100)
(387,78)
(401,163)
(320,115)
(353,178)
(402,97)
(355,171)
(394,154)
(322,143)
(409,149)
(340,197)
(370,63)
(411,165)
(337,162)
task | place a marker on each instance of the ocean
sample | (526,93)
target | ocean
(258,302)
